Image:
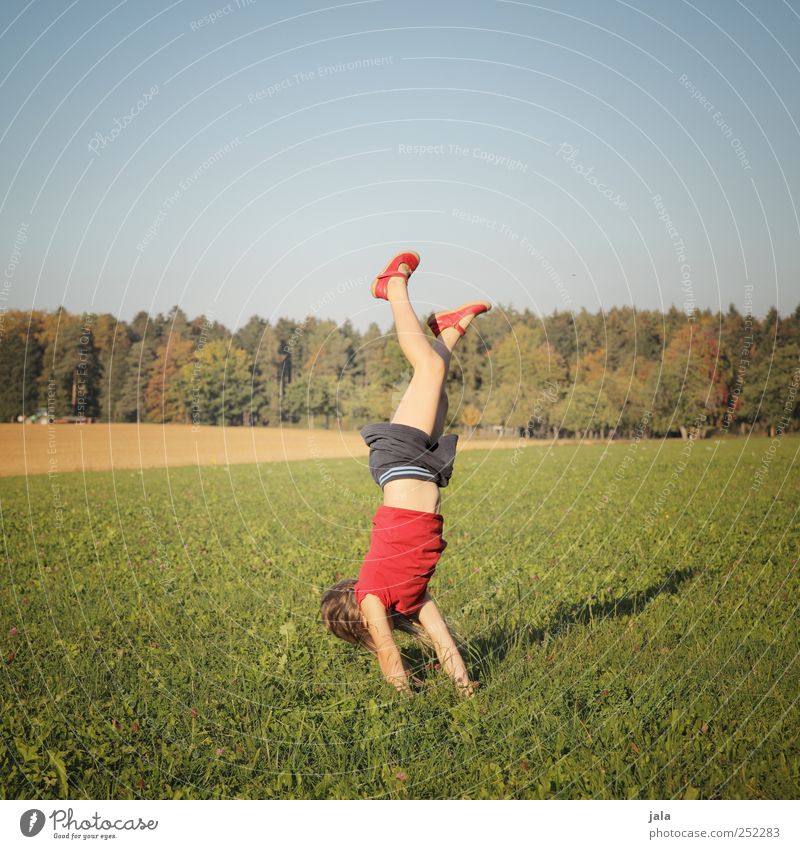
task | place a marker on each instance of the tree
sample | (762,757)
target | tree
(311,397)
(469,416)
(693,389)
(771,393)
(162,403)
(562,334)
(139,363)
(629,402)
(20,363)
(72,373)
(113,339)
(177,322)
(583,406)
(529,377)
(620,372)
(328,349)
(214,387)
(250,336)
(584,409)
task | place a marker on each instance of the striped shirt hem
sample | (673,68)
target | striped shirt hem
(397,471)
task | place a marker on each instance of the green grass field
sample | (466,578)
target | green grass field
(631,613)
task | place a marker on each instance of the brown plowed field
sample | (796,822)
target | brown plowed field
(34,449)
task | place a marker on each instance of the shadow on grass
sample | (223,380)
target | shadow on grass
(478,651)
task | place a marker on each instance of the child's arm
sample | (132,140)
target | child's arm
(431,620)
(389,658)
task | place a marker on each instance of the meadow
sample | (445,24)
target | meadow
(630,611)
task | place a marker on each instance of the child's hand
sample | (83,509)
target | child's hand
(401,683)
(404,689)
(467,688)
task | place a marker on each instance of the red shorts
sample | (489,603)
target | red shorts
(402,557)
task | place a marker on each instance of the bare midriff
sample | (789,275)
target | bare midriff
(412,494)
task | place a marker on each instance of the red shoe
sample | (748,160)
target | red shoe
(380,285)
(440,321)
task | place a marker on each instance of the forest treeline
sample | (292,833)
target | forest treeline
(622,372)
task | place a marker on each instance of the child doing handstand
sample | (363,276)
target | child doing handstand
(410,460)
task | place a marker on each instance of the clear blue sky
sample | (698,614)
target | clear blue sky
(262,157)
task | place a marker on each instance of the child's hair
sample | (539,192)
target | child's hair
(341,615)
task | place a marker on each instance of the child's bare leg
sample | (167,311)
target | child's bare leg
(420,403)
(424,404)
(444,345)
